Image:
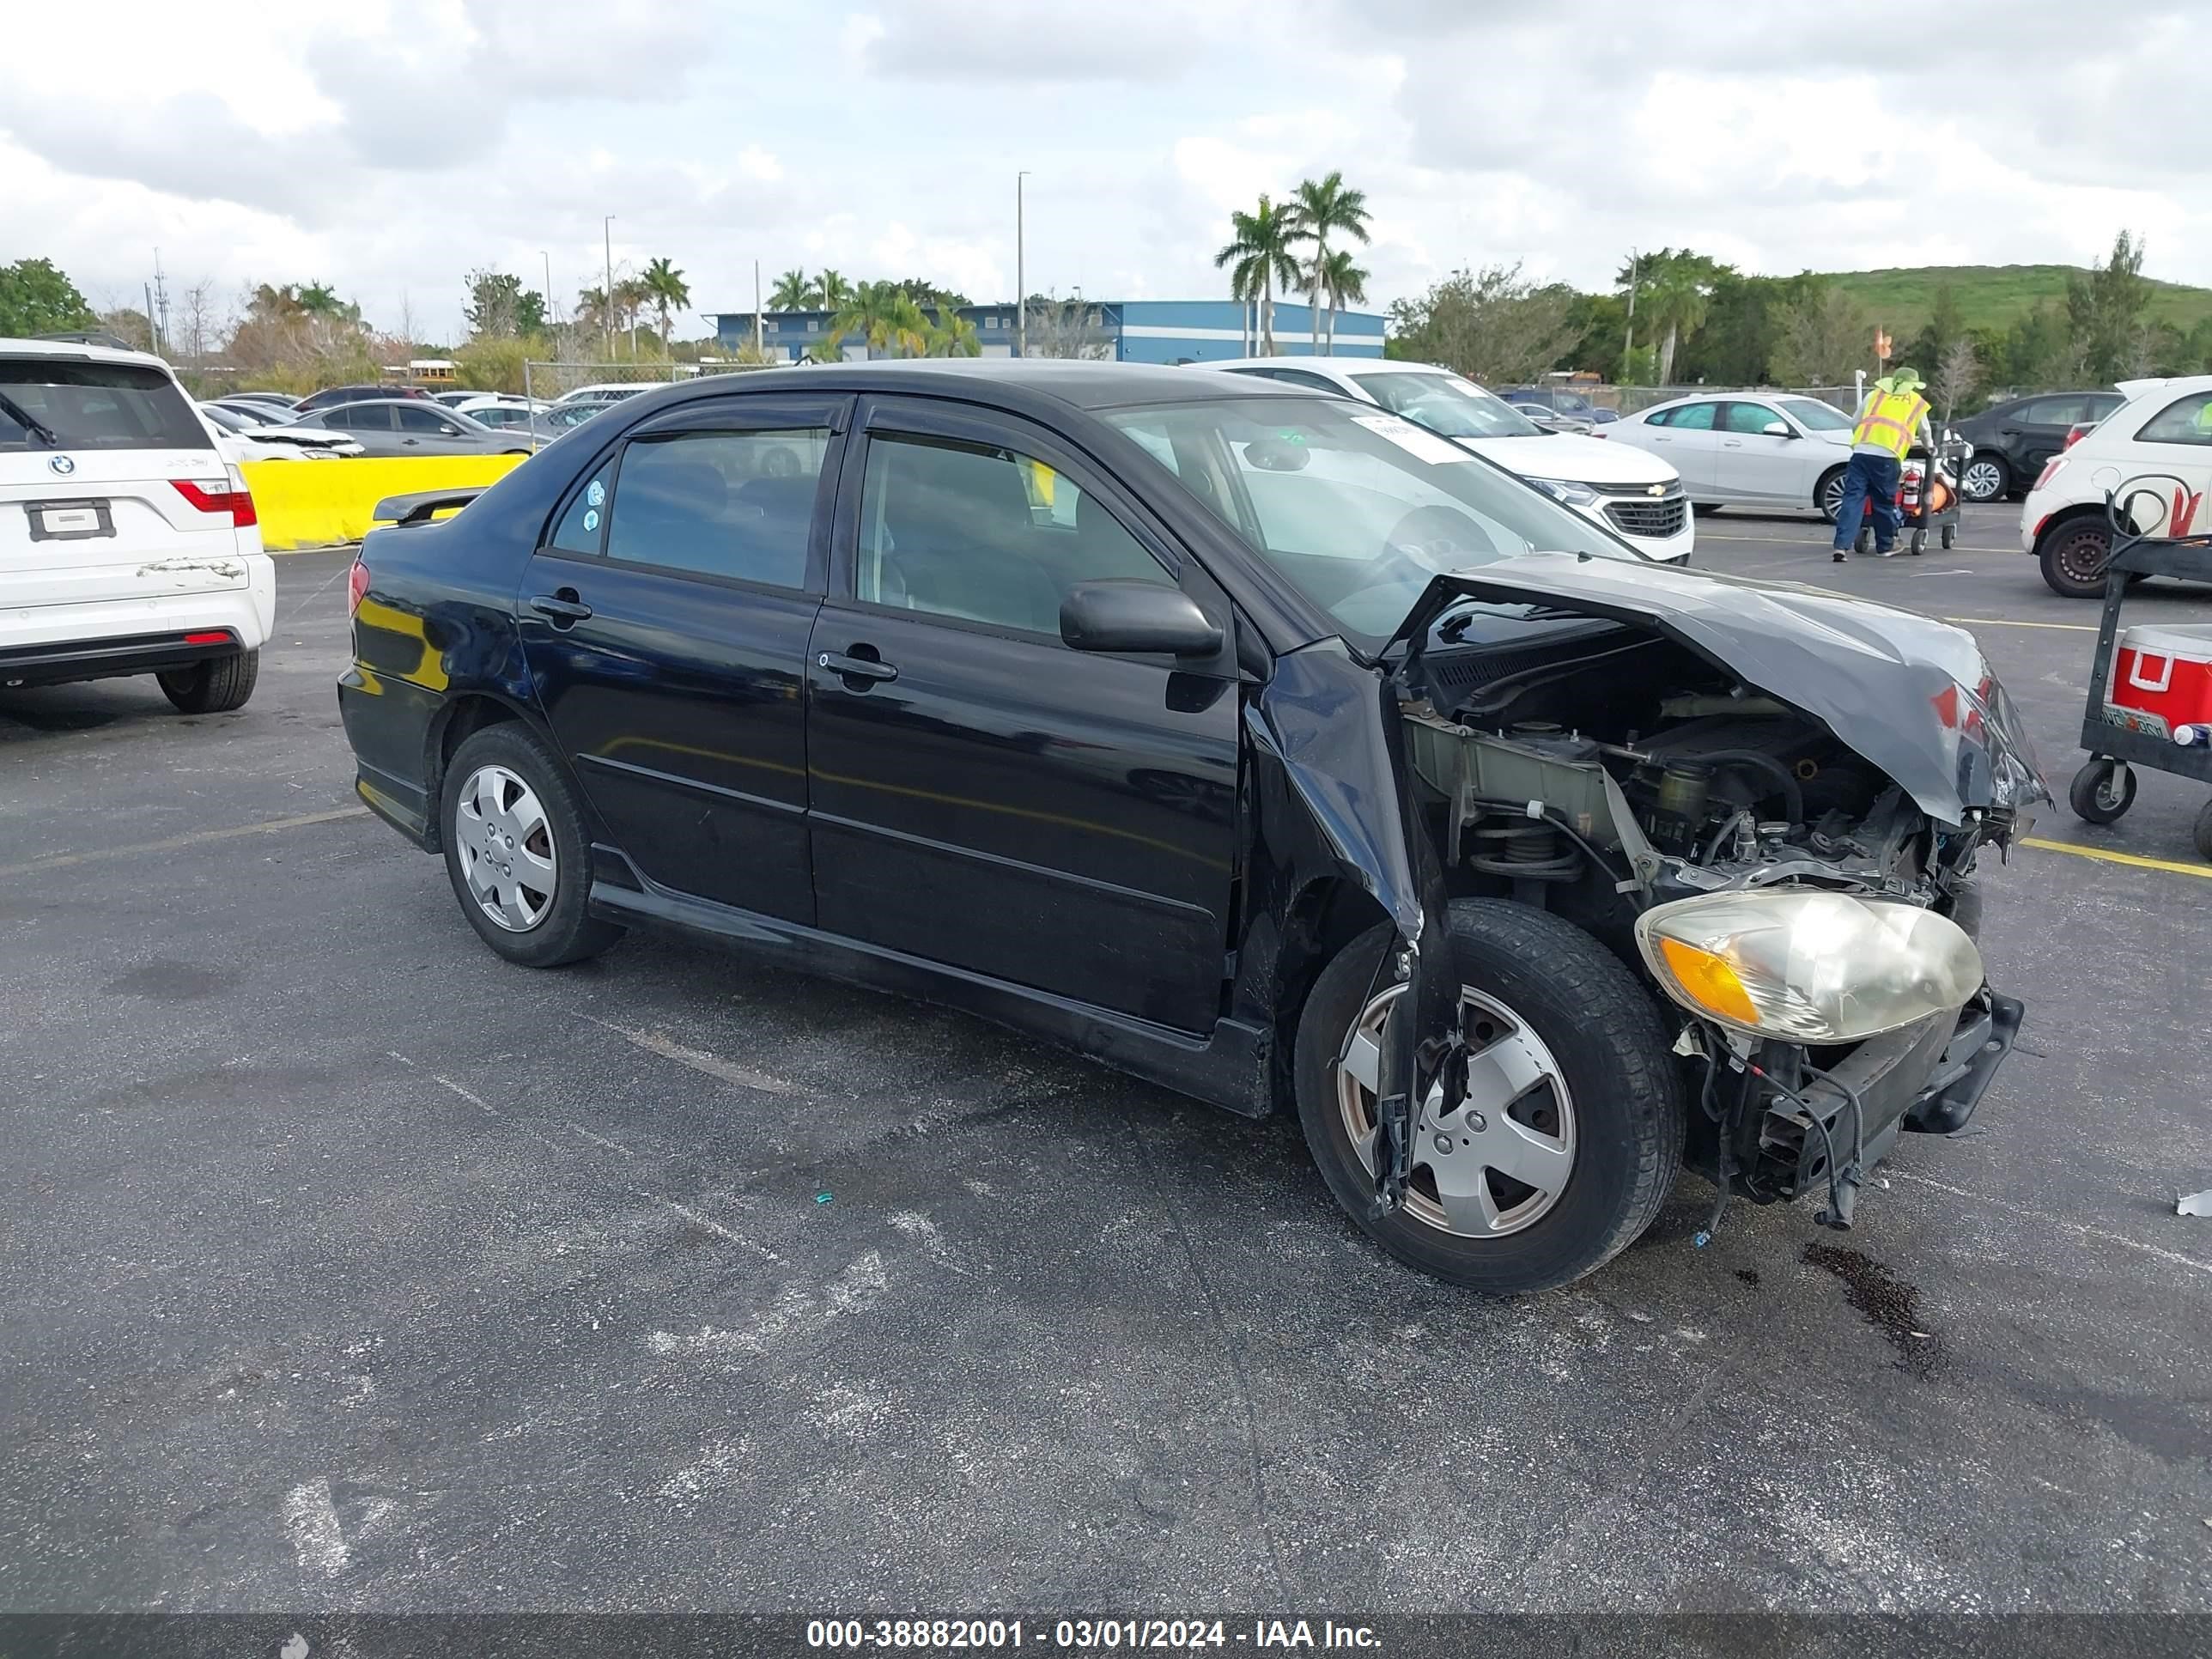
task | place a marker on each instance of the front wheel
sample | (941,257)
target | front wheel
(1828,494)
(517,850)
(2074,557)
(1571,1133)
(214,687)
(2102,791)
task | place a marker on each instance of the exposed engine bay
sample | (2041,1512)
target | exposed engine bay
(1598,770)
(1605,752)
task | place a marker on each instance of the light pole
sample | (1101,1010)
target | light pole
(547,309)
(1021,281)
(607,297)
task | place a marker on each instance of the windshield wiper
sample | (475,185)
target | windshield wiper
(30,422)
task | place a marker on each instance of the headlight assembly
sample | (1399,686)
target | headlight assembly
(1808,967)
(1565,489)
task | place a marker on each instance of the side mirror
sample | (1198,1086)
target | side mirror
(449,431)
(1133,615)
(1778,429)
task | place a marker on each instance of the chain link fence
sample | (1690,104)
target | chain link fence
(1634,399)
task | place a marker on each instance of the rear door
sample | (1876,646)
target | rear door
(1691,446)
(1760,467)
(665,622)
(111,487)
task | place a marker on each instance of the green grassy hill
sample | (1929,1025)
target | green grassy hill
(1993,296)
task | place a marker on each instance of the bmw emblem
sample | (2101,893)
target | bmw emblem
(61,464)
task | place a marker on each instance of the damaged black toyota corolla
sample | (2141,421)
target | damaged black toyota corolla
(1256,743)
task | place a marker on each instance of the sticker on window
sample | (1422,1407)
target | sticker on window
(1422,445)
(596,494)
(592,518)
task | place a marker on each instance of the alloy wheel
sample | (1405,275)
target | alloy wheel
(506,847)
(1831,495)
(1982,481)
(1497,1162)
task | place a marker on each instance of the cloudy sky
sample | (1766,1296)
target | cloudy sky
(387,146)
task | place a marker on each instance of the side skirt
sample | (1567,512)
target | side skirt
(1229,1068)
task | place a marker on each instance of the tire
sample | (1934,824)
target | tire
(1864,546)
(1620,1119)
(507,812)
(1828,494)
(2203,833)
(2073,557)
(1705,509)
(2093,795)
(214,687)
(1918,544)
(1987,479)
(1950,537)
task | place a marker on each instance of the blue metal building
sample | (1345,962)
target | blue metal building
(1124,330)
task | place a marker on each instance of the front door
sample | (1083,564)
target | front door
(984,797)
(1761,467)
(665,623)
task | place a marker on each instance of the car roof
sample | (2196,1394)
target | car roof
(1012,381)
(71,349)
(1339,366)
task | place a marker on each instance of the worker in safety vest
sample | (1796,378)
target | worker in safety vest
(1892,420)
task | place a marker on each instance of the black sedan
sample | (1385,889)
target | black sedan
(2012,441)
(1256,743)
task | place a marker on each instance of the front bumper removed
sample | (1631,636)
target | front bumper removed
(1780,1135)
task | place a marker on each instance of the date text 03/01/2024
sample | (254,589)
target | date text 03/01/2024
(1087,1634)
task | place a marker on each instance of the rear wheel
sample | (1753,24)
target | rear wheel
(2102,791)
(2074,557)
(517,851)
(1571,1135)
(214,687)
(1950,537)
(1986,479)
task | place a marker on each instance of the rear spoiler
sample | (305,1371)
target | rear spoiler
(423,505)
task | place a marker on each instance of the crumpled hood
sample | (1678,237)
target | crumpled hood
(1912,696)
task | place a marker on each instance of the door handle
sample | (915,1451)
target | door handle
(563,607)
(868,670)
(1731,443)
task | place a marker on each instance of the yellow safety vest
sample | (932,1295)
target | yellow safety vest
(1890,418)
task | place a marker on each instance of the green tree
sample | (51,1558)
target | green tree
(926,292)
(792,292)
(1821,336)
(2105,310)
(886,318)
(320,300)
(1319,211)
(36,298)
(1598,322)
(951,335)
(1260,259)
(832,291)
(1674,291)
(1945,327)
(499,308)
(2040,349)
(1344,283)
(666,291)
(1492,326)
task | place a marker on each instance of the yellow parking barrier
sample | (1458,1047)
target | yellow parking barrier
(316,503)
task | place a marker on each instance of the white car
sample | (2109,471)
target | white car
(2155,451)
(1636,497)
(1748,449)
(128,543)
(606,391)
(242,439)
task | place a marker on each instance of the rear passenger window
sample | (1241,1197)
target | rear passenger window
(984,534)
(1693,417)
(737,505)
(581,527)
(2188,421)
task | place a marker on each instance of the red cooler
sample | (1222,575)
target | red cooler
(2164,671)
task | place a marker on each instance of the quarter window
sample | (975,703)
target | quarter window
(985,534)
(737,505)
(582,528)
(2185,421)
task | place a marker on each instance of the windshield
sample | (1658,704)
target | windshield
(1445,403)
(55,403)
(1814,415)
(1355,507)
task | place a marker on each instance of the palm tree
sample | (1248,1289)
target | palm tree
(593,316)
(664,287)
(830,348)
(951,335)
(885,317)
(1259,258)
(792,292)
(1344,283)
(832,291)
(1674,289)
(1323,209)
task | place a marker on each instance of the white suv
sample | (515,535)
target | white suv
(128,543)
(2161,439)
(1638,496)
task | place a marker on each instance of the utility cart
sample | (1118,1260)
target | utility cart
(1927,495)
(2150,688)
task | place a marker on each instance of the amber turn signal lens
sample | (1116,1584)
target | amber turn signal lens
(1710,981)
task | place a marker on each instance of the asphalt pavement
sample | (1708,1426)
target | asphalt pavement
(343,1266)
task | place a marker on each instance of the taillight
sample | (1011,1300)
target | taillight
(232,497)
(2076,432)
(356,587)
(2049,471)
